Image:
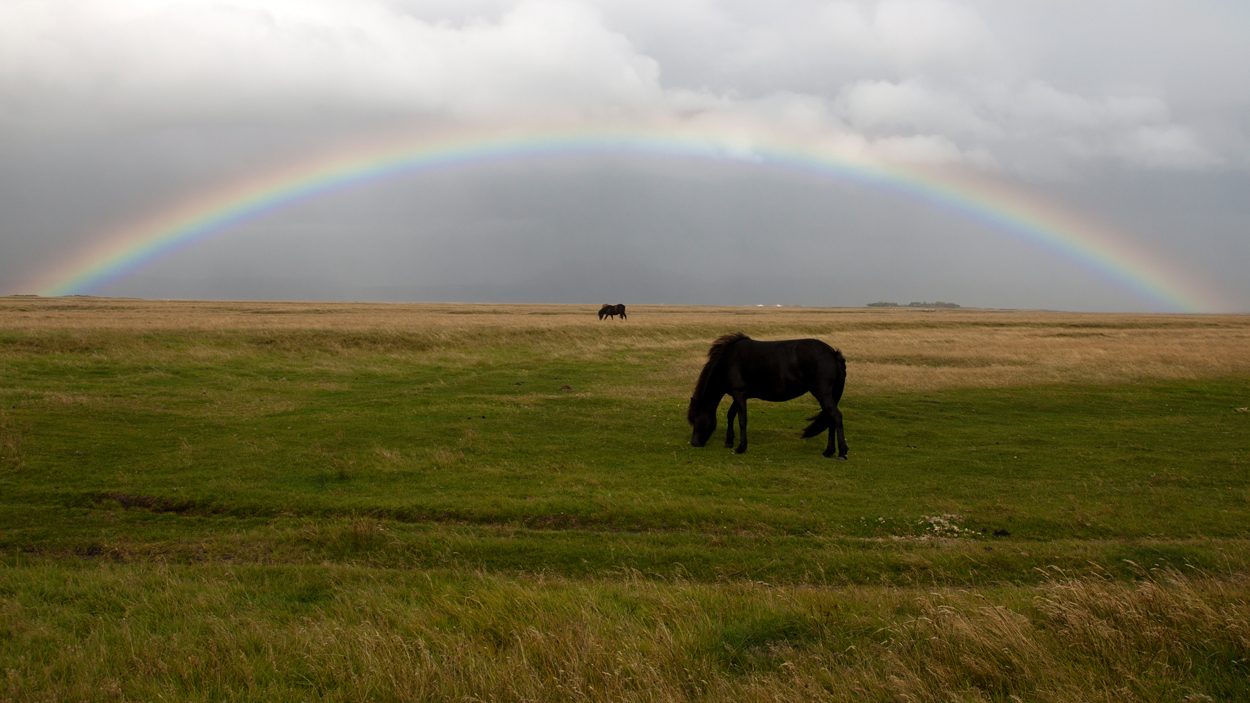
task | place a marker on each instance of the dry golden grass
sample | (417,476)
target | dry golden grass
(887,349)
(195,635)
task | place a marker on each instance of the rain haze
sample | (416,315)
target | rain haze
(1130,118)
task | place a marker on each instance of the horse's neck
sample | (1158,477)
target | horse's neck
(712,396)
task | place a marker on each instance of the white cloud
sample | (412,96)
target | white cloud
(926,80)
(926,148)
(752,47)
(248,60)
(1135,130)
(882,105)
(921,35)
(1165,147)
(1045,106)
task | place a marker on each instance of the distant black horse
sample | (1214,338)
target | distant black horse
(613,311)
(744,368)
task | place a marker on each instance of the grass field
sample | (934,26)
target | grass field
(317,501)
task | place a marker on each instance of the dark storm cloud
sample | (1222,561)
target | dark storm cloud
(1133,113)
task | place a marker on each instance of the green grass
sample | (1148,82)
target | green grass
(147,454)
(162,489)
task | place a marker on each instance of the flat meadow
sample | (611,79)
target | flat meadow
(393,502)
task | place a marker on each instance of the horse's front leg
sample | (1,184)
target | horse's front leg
(740,401)
(729,424)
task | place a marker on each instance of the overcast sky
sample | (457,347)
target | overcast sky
(1133,114)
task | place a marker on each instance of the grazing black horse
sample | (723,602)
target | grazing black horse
(744,368)
(613,311)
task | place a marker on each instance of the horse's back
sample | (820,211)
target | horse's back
(784,369)
(787,351)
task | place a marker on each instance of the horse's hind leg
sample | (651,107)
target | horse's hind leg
(833,420)
(729,423)
(835,430)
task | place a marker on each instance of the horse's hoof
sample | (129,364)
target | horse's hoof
(841,458)
(740,450)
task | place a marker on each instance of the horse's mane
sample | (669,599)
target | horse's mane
(718,347)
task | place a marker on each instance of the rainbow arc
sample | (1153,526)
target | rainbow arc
(1013,213)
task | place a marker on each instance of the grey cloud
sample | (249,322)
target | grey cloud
(110,109)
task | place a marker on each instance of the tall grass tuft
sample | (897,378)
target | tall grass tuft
(10,441)
(150,632)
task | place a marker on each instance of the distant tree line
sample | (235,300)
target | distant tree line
(938,304)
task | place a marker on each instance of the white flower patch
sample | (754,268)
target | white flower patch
(942,525)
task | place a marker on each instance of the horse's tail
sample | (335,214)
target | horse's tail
(820,425)
(820,421)
(839,383)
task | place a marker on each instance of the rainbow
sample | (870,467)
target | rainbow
(129,248)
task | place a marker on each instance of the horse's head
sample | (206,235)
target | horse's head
(703,422)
